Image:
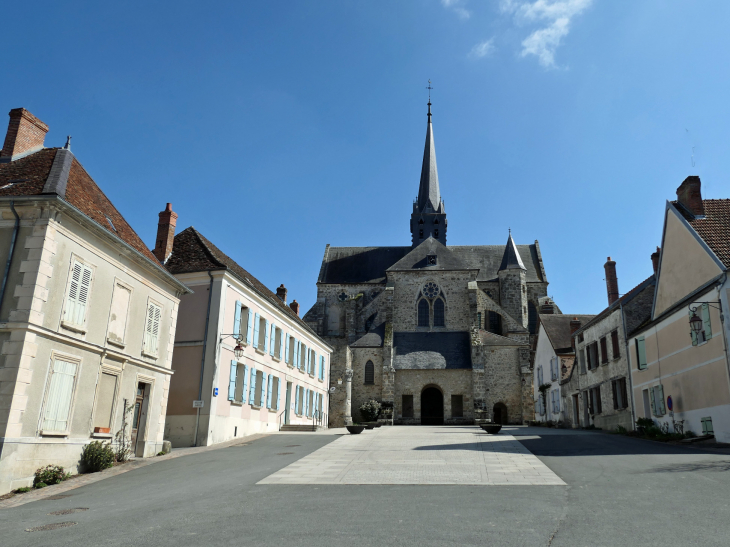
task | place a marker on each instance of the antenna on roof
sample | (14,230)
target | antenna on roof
(67,146)
(692,157)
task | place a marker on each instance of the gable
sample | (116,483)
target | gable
(686,263)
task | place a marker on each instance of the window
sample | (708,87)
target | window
(118,314)
(436,233)
(615,347)
(369,373)
(275,397)
(640,353)
(272,340)
(423,313)
(77,295)
(431,260)
(539,376)
(657,400)
(60,393)
(321,367)
(707,428)
(580,337)
(261,334)
(595,400)
(258,387)
(420,233)
(242,323)
(583,361)
(105,400)
(555,400)
(592,355)
(152,329)
(620,399)
(554,368)
(302,357)
(237,382)
(541,404)
(495,322)
(278,344)
(604,351)
(438,313)
(407,406)
(290,350)
(457,406)
(531,318)
(479,319)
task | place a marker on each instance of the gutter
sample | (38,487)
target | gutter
(10,253)
(628,364)
(202,361)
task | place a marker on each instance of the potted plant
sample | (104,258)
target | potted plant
(369,412)
(492,429)
(355,429)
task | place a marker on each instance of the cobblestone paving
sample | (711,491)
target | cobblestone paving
(419,455)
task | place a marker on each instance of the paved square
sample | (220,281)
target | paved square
(419,455)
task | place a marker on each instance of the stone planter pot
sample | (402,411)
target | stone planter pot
(355,429)
(492,429)
(369,426)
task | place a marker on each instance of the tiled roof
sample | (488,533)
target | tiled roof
(192,252)
(714,229)
(416,259)
(28,177)
(557,328)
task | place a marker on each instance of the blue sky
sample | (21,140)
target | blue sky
(278,127)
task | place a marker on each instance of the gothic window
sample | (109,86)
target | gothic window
(420,221)
(436,233)
(436,221)
(369,373)
(430,290)
(423,313)
(495,322)
(531,318)
(431,260)
(438,313)
(420,233)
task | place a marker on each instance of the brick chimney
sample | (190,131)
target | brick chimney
(547,308)
(689,194)
(295,307)
(25,135)
(281,293)
(655,260)
(611,280)
(165,233)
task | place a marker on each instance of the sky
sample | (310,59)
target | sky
(277,127)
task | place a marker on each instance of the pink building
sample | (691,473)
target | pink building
(244,362)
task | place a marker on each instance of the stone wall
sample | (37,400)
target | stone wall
(450,382)
(360,391)
(513,294)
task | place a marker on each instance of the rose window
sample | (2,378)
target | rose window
(430,290)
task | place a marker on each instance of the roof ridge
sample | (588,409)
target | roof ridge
(201,238)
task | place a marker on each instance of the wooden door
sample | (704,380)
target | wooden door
(137,415)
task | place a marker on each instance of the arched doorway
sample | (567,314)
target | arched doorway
(500,413)
(432,406)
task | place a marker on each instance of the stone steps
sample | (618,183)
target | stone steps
(300,427)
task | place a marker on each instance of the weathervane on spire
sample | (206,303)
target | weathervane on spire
(429,100)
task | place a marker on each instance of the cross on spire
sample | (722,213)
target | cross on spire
(429,98)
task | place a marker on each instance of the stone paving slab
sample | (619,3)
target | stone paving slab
(419,455)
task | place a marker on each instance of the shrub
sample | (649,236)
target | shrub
(97,456)
(621,430)
(370,410)
(645,422)
(50,474)
(22,490)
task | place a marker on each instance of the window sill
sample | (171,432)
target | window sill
(45,433)
(273,410)
(254,407)
(260,351)
(115,343)
(311,375)
(320,380)
(275,358)
(73,328)
(289,366)
(101,435)
(149,355)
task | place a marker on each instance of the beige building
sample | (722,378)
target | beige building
(244,361)
(87,313)
(680,371)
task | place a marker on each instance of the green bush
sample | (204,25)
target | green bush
(50,474)
(370,410)
(22,490)
(621,430)
(645,422)
(97,456)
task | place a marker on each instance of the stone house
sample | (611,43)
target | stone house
(436,333)
(244,361)
(598,388)
(553,362)
(679,364)
(87,314)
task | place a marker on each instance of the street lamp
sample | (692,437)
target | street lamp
(238,350)
(695,323)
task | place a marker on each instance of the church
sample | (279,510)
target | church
(437,334)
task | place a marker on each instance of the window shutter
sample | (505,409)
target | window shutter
(232,381)
(286,348)
(262,402)
(268,391)
(296,400)
(625,396)
(321,367)
(152,328)
(615,394)
(272,339)
(60,392)
(244,396)
(641,352)
(298,354)
(660,402)
(539,376)
(252,389)
(237,319)
(256,321)
(278,394)
(706,321)
(78,294)
(249,330)
(692,334)
(266,336)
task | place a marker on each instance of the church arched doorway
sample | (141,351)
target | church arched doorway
(500,413)
(432,406)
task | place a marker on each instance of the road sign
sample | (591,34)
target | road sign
(669,402)
(332,389)
(198,404)
(215,392)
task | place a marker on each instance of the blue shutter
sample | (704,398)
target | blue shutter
(256,331)
(278,395)
(321,369)
(266,336)
(305,406)
(249,330)
(296,399)
(252,389)
(244,395)
(232,381)
(237,319)
(263,390)
(286,348)
(272,343)
(296,353)
(316,406)
(314,364)
(268,391)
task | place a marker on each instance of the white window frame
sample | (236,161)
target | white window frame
(112,371)
(123,286)
(68,358)
(149,352)
(68,324)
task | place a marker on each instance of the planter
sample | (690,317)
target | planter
(355,429)
(102,430)
(492,429)
(369,426)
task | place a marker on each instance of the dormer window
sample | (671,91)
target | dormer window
(430,260)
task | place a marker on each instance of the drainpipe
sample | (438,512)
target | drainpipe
(10,253)
(202,360)
(628,363)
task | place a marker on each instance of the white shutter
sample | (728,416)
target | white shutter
(152,329)
(58,402)
(78,294)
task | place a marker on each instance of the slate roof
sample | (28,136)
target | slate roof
(342,265)
(714,228)
(416,259)
(192,252)
(56,171)
(428,189)
(557,328)
(511,259)
(432,350)
(372,339)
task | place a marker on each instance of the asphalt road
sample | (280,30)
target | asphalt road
(621,491)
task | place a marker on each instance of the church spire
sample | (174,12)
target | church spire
(429,194)
(511,259)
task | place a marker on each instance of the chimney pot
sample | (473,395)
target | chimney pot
(655,260)
(611,280)
(689,194)
(25,135)
(295,307)
(281,293)
(165,233)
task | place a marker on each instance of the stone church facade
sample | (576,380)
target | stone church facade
(438,334)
